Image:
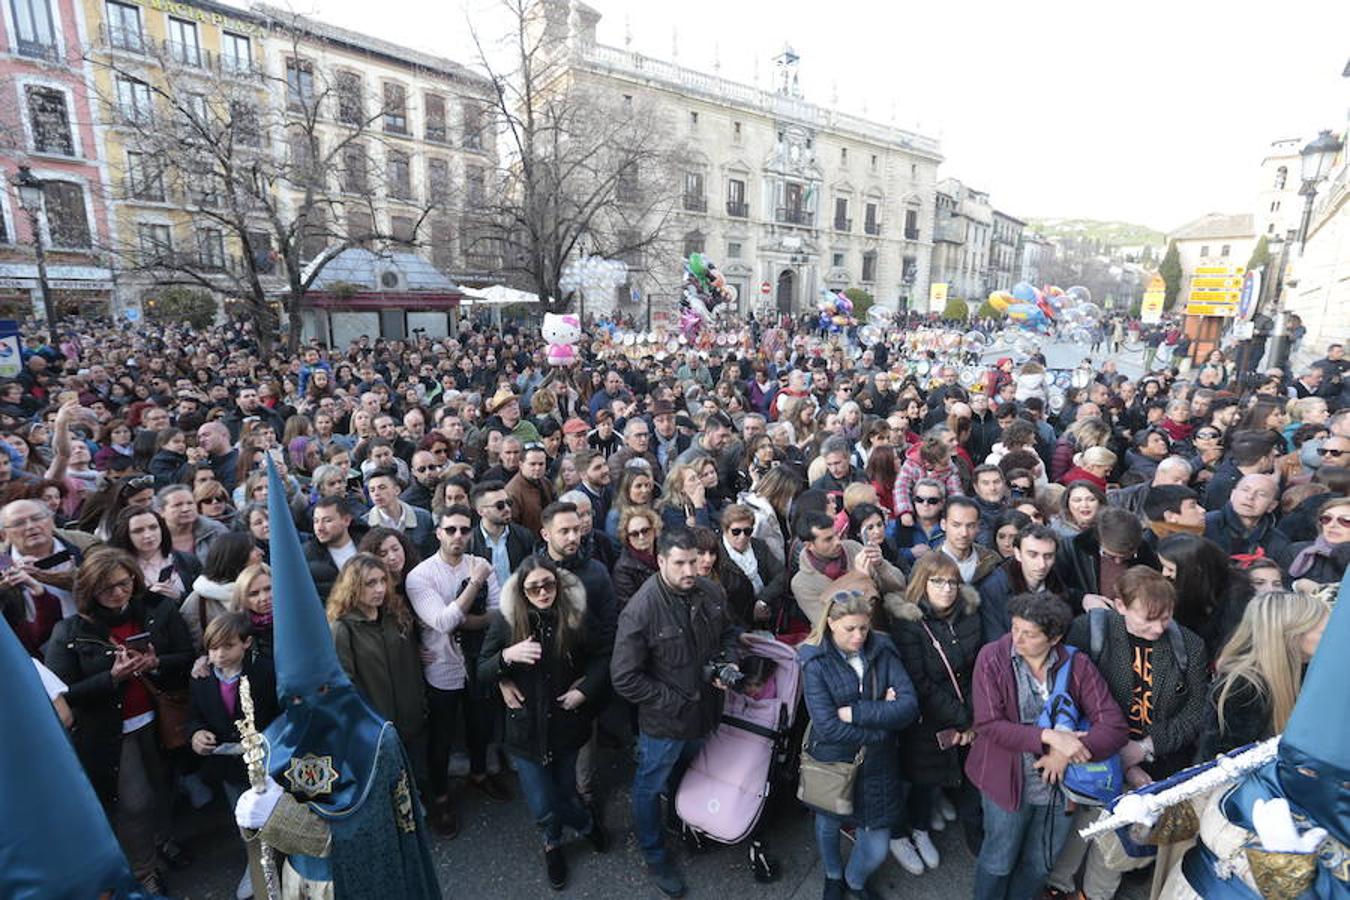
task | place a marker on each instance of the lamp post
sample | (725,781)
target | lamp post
(32,197)
(1315,162)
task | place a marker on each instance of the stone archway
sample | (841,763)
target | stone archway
(787,291)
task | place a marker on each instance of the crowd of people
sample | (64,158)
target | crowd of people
(533,565)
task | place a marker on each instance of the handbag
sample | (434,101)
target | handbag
(828,786)
(173,708)
(960,695)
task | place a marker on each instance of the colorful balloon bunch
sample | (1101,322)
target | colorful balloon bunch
(703,291)
(1035,309)
(836,311)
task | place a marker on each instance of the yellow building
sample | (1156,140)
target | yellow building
(172,79)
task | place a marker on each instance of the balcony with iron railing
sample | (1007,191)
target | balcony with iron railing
(231,66)
(191,56)
(121,37)
(872,228)
(911,234)
(695,203)
(738,209)
(795,215)
(842,224)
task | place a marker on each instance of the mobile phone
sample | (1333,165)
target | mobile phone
(51,562)
(138,643)
(165,573)
(948,738)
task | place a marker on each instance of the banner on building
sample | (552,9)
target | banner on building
(1151,308)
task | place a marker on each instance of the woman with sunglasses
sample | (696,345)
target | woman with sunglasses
(1208,443)
(122,648)
(639,527)
(938,635)
(214,503)
(859,696)
(1323,561)
(546,656)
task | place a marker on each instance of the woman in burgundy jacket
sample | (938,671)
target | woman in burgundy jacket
(1017,765)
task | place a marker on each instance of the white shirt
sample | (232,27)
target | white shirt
(747,563)
(51,682)
(342,554)
(432,588)
(967,566)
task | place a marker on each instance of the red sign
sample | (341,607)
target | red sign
(765,287)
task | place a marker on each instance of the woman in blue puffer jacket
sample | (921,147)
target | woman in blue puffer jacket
(858,694)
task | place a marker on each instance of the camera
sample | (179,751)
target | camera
(728,673)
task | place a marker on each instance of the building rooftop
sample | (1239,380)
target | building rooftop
(1216,225)
(363,269)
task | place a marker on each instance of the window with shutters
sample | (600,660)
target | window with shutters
(67,216)
(435,118)
(299,84)
(211,248)
(351,106)
(438,182)
(869,267)
(34,27)
(911,224)
(155,243)
(871,224)
(184,47)
(145,177)
(355,169)
(399,174)
(736,205)
(395,108)
(49,121)
(473,126)
(236,53)
(133,100)
(475,185)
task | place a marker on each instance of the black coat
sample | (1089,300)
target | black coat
(209,714)
(519,544)
(629,574)
(321,568)
(542,728)
(80,653)
(1078,565)
(774,575)
(940,707)
(1000,586)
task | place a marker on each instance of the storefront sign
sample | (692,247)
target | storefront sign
(11,360)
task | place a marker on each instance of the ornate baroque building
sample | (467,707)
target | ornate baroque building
(785,195)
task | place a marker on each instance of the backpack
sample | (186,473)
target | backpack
(1093,783)
(1097,622)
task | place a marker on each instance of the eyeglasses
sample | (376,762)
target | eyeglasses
(1331,451)
(540,588)
(640,532)
(140,482)
(122,584)
(928,501)
(502,505)
(421,469)
(28,520)
(1328,518)
(944,582)
(737,532)
(1206,435)
(213,500)
(457,529)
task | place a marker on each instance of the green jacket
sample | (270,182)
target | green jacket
(385,667)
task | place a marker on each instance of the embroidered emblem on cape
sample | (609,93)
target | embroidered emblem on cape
(311,775)
(403,804)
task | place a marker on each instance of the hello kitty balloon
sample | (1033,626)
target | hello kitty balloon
(561,332)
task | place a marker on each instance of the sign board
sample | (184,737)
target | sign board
(1243,331)
(765,287)
(1250,293)
(11,359)
(1214,290)
(937,294)
(1150,310)
(635,295)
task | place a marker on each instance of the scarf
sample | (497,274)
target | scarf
(1309,555)
(1166,529)
(747,563)
(260,620)
(1176,430)
(832,569)
(646,557)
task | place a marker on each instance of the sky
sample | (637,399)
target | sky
(1152,111)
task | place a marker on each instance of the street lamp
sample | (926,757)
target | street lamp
(32,197)
(1316,162)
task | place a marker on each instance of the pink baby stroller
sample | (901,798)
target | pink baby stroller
(725,789)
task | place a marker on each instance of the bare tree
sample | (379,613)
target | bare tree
(581,171)
(288,169)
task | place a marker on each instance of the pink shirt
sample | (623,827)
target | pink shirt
(432,589)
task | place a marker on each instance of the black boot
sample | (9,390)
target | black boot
(557,868)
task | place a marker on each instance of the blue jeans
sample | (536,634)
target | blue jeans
(551,793)
(658,759)
(1019,849)
(869,851)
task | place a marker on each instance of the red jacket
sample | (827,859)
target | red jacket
(1077,474)
(995,762)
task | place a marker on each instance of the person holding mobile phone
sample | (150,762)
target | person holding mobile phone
(113,690)
(37,570)
(142,532)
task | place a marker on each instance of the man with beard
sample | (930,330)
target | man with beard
(530,490)
(1030,570)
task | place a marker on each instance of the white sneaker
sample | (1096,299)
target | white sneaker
(924,844)
(245,889)
(905,854)
(937,823)
(948,811)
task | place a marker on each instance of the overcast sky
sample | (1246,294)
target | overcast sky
(1151,111)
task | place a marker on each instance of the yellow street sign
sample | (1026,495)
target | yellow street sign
(937,293)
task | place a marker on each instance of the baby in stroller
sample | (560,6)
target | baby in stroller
(727,786)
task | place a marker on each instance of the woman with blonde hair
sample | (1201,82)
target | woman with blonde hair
(253,595)
(1092,465)
(858,695)
(639,527)
(1260,670)
(636,488)
(1085,433)
(1304,411)
(377,646)
(684,498)
(1030,382)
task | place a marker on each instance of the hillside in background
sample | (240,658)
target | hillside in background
(1102,234)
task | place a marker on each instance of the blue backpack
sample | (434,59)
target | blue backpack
(1094,783)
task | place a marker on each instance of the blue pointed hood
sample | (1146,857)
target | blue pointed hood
(305,657)
(322,748)
(58,843)
(1314,758)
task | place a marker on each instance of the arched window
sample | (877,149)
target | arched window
(1281,176)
